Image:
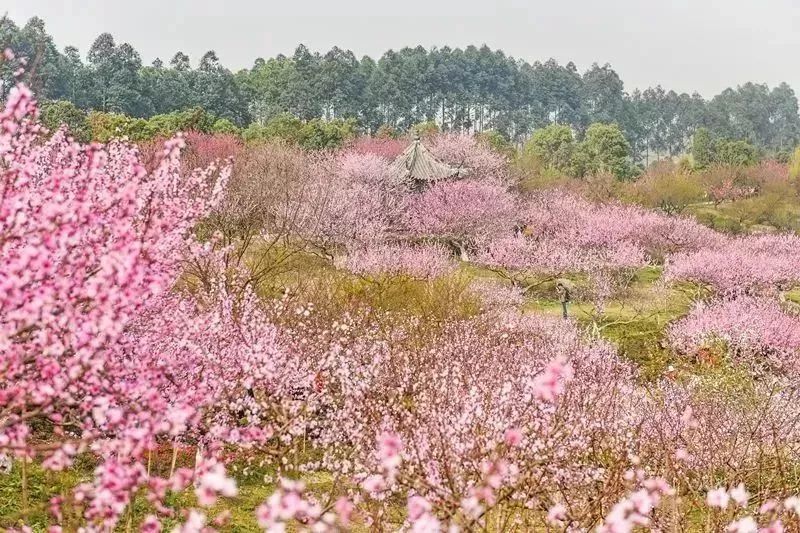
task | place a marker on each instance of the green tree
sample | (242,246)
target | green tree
(553,146)
(497,142)
(703,149)
(285,127)
(321,135)
(107,126)
(735,153)
(424,129)
(55,113)
(605,149)
(602,92)
(216,90)
(115,73)
(224,125)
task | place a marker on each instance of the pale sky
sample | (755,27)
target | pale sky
(686,45)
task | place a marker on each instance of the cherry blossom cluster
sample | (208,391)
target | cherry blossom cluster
(757,332)
(747,264)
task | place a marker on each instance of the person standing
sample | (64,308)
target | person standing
(563,297)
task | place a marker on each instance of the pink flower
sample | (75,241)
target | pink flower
(550,383)
(775,527)
(682,455)
(740,495)
(792,503)
(417,506)
(373,484)
(512,437)
(718,498)
(768,506)
(557,514)
(213,482)
(389,446)
(744,525)
(344,510)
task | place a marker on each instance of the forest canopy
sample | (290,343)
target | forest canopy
(473,89)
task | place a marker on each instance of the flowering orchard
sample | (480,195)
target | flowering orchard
(172,318)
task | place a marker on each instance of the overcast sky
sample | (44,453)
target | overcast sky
(686,45)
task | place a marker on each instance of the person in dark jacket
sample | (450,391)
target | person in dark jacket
(563,297)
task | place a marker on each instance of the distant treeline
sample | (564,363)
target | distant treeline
(474,89)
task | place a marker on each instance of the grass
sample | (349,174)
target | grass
(254,488)
(635,321)
(794,295)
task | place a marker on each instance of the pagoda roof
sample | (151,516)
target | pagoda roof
(418,164)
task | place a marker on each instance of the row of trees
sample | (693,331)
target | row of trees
(474,89)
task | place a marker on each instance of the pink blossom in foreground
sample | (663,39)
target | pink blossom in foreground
(635,510)
(743,525)
(718,498)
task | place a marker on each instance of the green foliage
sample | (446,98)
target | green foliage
(387,131)
(716,219)
(605,150)
(169,124)
(322,135)
(312,135)
(702,149)
(766,212)
(671,191)
(794,165)
(103,127)
(284,127)
(224,125)
(406,87)
(707,151)
(55,113)
(107,126)
(497,142)
(554,147)
(737,153)
(425,129)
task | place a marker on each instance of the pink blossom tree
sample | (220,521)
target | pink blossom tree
(90,244)
(461,213)
(474,159)
(756,332)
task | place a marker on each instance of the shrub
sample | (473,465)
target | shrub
(55,113)
(664,187)
(604,149)
(553,147)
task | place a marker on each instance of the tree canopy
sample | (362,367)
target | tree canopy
(474,89)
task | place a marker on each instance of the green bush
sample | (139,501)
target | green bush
(107,126)
(605,149)
(497,142)
(322,135)
(224,125)
(553,148)
(739,153)
(424,129)
(55,113)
